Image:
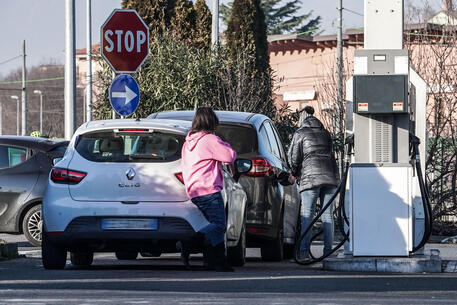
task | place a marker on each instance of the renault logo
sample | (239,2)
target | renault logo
(130,173)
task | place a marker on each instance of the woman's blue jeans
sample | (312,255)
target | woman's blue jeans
(308,205)
(212,206)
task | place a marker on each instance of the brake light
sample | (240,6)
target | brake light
(260,167)
(179,177)
(133,129)
(66,176)
(256,230)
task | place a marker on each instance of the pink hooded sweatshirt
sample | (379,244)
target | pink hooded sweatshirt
(201,158)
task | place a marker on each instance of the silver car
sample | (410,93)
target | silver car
(119,188)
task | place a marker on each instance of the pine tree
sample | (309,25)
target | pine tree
(153,13)
(247,31)
(281,19)
(188,22)
(182,23)
(202,34)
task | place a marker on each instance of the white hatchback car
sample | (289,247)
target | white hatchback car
(119,189)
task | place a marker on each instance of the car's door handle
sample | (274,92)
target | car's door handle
(130,202)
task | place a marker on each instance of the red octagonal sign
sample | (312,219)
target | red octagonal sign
(124,41)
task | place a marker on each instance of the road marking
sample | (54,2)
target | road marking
(210,279)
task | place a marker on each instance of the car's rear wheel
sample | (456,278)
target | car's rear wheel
(273,250)
(236,256)
(83,259)
(52,255)
(126,255)
(32,225)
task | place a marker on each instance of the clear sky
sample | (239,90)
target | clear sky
(41,23)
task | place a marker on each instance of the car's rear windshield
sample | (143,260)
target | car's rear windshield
(110,146)
(242,138)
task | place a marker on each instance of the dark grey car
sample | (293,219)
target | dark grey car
(272,209)
(25,163)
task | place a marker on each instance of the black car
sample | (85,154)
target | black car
(273,210)
(25,163)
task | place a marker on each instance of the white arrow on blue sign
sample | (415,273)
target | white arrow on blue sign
(124,95)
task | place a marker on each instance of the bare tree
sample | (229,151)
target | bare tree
(433,53)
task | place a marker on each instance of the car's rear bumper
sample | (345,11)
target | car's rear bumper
(87,233)
(59,210)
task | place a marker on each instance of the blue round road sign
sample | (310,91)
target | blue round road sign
(124,95)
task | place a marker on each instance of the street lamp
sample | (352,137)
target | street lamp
(15,97)
(41,109)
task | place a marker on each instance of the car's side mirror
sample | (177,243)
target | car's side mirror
(242,166)
(56,160)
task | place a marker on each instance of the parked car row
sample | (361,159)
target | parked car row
(119,188)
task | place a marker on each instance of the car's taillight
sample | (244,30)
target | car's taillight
(179,177)
(260,167)
(66,176)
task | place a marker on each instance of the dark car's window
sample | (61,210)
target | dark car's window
(264,142)
(242,138)
(130,147)
(11,156)
(278,140)
(273,143)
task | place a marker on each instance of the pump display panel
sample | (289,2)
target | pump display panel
(380,94)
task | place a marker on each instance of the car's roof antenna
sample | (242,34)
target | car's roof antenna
(137,119)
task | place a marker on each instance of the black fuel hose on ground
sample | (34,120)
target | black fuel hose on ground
(428,222)
(341,217)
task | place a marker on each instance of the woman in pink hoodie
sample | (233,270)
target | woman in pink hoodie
(202,156)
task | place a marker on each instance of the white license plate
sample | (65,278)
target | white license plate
(129,224)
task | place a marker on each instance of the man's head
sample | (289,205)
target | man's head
(309,110)
(306,112)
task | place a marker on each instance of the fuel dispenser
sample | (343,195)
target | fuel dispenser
(384,208)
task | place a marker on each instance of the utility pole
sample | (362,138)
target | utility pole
(24,92)
(114,112)
(70,71)
(339,85)
(41,109)
(89,61)
(1,115)
(18,127)
(215,24)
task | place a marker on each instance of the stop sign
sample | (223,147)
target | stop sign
(124,41)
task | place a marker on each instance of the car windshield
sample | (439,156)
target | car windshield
(109,146)
(242,138)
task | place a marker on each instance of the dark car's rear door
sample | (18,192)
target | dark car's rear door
(18,175)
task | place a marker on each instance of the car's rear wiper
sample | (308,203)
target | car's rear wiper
(150,157)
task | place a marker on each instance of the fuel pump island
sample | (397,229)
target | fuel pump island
(384,210)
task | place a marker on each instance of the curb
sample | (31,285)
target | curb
(9,251)
(417,264)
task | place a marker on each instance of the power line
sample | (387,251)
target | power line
(32,80)
(11,59)
(351,11)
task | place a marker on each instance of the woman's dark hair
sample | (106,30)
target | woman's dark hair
(204,120)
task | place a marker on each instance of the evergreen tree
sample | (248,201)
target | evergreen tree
(183,21)
(153,13)
(247,32)
(187,22)
(281,19)
(202,35)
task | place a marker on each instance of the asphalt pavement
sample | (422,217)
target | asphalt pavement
(164,280)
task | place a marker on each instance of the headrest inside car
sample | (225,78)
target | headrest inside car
(112,145)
